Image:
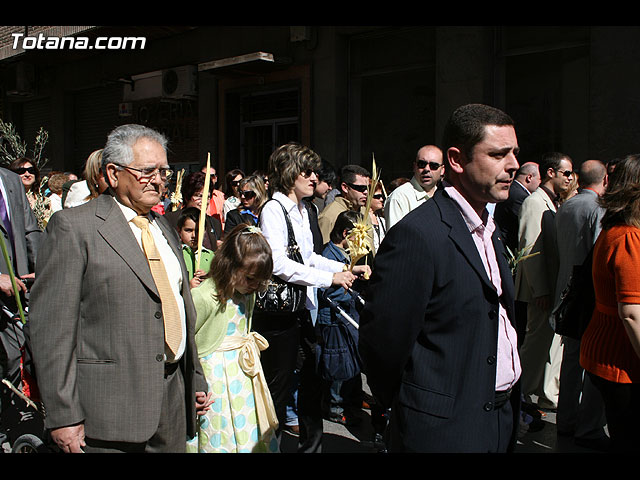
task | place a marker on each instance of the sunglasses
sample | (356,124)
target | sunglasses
(359,188)
(432,165)
(23,170)
(566,173)
(307,173)
(248,194)
(235,183)
(379,196)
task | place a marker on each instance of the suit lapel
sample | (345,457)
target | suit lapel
(119,236)
(460,235)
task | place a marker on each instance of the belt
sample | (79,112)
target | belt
(501,398)
(169,368)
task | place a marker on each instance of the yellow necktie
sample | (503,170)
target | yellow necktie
(170,312)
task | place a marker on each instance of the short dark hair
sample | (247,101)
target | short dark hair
(193,183)
(188,213)
(327,173)
(348,173)
(552,160)
(345,221)
(466,126)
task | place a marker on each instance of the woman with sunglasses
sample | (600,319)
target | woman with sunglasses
(292,178)
(253,195)
(376,213)
(30,176)
(231,192)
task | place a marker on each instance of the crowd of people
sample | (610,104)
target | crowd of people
(208,320)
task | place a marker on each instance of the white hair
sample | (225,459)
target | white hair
(120,142)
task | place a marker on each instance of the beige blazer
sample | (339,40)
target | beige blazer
(536,276)
(97,328)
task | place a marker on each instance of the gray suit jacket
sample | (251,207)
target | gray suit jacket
(26,233)
(97,329)
(577,227)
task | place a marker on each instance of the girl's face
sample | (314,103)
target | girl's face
(246,281)
(27,174)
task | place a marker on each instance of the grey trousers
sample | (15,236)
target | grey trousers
(171,436)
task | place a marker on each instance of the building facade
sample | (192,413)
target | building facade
(349,92)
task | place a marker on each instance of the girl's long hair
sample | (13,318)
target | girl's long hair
(243,248)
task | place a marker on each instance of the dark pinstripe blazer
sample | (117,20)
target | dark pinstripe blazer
(429,330)
(97,329)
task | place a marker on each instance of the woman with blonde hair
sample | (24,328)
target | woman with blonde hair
(92,185)
(610,345)
(253,196)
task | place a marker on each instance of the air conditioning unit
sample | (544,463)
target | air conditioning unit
(180,82)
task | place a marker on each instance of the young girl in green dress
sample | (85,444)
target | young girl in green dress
(242,417)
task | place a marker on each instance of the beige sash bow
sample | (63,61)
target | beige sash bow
(249,360)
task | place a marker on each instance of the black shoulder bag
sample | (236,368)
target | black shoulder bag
(281,296)
(577,301)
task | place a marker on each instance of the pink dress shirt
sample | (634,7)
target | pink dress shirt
(508,362)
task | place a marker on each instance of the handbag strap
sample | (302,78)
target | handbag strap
(292,245)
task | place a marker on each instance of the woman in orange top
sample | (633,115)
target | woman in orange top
(610,346)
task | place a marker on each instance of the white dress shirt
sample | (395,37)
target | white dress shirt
(316,271)
(170,261)
(402,200)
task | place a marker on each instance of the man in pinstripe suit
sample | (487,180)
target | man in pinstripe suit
(107,380)
(436,335)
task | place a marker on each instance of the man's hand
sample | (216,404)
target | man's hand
(7,288)
(362,271)
(203,402)
(69,439)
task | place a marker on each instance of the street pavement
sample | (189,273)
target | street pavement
(340,438)
(359,438)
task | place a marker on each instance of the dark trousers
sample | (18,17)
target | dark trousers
(287,334)
(621,402)
(171,436)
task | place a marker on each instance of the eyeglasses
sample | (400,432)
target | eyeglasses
(432,165)
(23,170)
(149,173)
(358,188)
(566,173)
(248,194)
(307,173)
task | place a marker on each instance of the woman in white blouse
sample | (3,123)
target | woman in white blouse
(292,177)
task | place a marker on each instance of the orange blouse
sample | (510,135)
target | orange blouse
(605,349)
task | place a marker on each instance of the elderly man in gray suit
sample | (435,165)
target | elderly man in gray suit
(113,335)
(580,408)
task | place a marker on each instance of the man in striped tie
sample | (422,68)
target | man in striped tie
(112,316)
